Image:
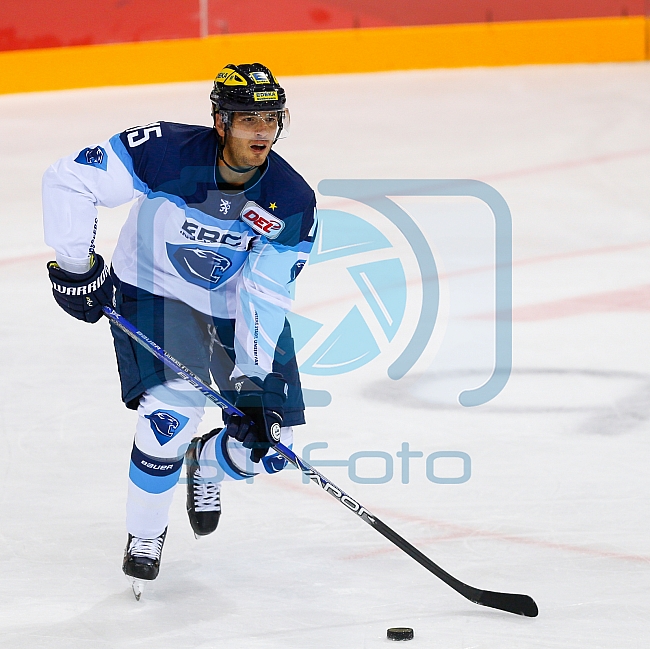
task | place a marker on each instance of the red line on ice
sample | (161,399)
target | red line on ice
(459,531)
(632,299)
(568,164)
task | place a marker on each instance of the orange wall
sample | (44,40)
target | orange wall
(588,40)
(26,24)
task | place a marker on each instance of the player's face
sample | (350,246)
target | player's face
(250,137)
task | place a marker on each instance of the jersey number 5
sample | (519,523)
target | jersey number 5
(147,130)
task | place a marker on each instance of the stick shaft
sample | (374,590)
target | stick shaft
(122,323)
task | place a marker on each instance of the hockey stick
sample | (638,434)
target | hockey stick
(513,603)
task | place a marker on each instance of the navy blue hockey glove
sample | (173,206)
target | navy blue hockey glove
(82,296)
(263,402)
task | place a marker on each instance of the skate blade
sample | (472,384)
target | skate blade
(137,586)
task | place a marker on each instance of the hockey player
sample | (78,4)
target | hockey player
(205,266)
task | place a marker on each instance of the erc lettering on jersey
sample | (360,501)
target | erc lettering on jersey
(197,232)
(261,221)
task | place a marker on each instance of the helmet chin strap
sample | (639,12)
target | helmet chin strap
(237,170)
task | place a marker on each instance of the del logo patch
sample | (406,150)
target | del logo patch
(261,221)
(95,157)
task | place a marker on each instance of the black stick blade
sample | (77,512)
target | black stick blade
(517,604)
(510,602)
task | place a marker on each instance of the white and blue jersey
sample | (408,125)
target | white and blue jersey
(228,254)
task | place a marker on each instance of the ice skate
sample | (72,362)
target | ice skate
(142,561)
(203,495)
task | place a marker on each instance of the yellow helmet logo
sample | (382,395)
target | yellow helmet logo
(235,79)
(271,95)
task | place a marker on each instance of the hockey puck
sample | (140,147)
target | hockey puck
(400,633)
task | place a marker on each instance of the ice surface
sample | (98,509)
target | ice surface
(557,503)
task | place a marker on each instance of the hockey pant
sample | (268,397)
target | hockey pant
(168,419)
